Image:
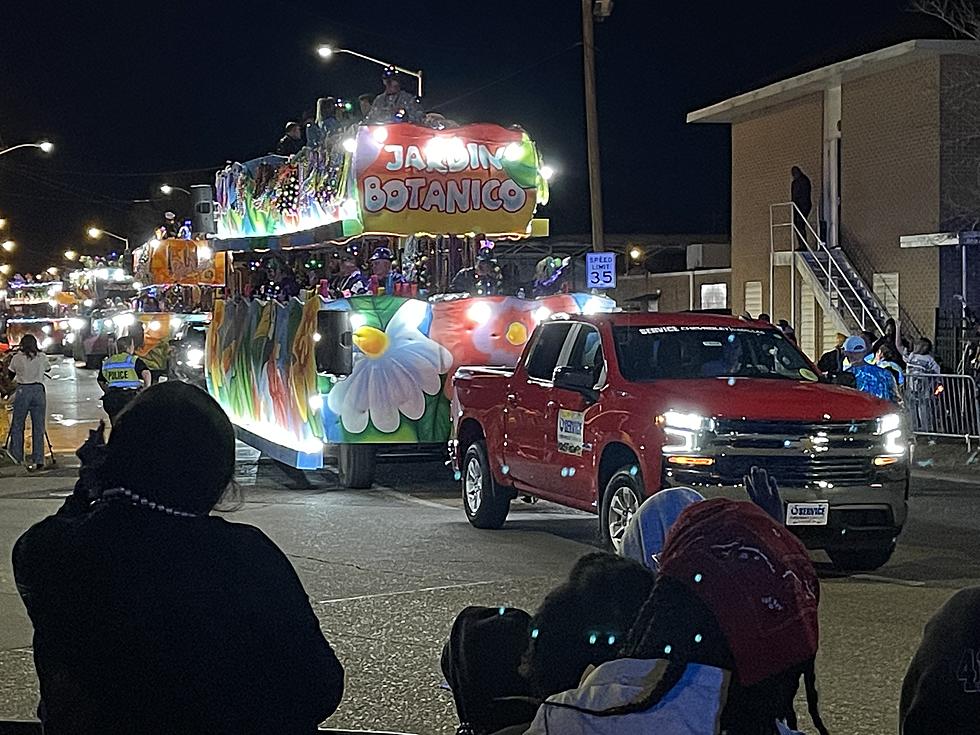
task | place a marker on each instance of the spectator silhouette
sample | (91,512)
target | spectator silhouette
(721,643)
(152,616)
(941,691)
(801,196)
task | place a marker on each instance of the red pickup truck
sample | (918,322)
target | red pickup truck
(604,410)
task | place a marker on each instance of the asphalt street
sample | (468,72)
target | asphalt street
(388,568)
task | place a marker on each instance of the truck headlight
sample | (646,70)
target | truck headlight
(891,429)
(76,323)
(194,357)
(683,430)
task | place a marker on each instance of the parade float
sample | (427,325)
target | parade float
(37,308)
(101,291)
(177,282)
(354,373)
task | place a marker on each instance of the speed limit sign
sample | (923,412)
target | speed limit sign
(600,270)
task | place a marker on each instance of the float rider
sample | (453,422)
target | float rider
(482,279)
(123,375)
(383,276)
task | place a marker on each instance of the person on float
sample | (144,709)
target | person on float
(352,281)
(481,279)
(384,278)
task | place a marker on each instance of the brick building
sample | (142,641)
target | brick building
(891,143)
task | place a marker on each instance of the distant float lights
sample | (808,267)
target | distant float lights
(547,172)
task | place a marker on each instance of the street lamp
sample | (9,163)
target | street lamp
(9,246)
(45,146)
(3,223)
(5,269)
(168,189)
(325,52)
(71,255)
(95,233)
(52,271)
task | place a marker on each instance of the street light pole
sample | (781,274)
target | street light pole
(326,52)
(44,145)
(97,232)
(169,189)
(592,127)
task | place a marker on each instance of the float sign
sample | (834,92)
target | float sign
(476,178)
(600,270)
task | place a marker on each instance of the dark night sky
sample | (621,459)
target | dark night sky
(156,88)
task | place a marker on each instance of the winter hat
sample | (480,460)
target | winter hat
(941,691)
(643,540)
(480,662)
(756,578)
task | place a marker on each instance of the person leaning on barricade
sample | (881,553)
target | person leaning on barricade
(151,615)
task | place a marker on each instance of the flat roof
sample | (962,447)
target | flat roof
(748,103)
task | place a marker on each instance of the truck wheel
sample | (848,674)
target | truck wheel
(620,500)
(485,505)
(355,464)
(861,560)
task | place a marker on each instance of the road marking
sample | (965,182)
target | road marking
(888,580)
(943,478)
(408,592)
(397,494)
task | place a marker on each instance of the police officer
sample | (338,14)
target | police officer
(123,375)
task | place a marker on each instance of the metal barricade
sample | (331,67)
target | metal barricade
(943,405)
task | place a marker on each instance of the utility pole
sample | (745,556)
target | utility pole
(592,118)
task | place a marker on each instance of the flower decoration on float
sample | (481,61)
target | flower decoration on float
(395,370)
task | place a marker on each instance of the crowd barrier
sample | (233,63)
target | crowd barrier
(33,727)
(943,405)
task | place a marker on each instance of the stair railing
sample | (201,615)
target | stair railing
(832,271)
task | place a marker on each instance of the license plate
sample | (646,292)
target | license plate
(807,514)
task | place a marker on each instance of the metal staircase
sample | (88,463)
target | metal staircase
(837,285)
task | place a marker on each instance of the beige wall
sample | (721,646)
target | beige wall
(890,126)
(764,148)
(674,288)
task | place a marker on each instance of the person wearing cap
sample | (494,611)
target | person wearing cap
(481,279)
(292,140)
(384,279)
(352,282)
(720,644)
(869,378)
(394,104)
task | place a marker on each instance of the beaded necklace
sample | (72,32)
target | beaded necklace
(120,493)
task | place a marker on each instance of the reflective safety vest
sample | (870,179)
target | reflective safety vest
(119,371)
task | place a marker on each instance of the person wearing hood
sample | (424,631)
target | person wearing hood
(499,674)
(480,662)
(941,690)
(646,533)
(718,647)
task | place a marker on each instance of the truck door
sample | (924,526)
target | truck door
(526,421)
(569,454)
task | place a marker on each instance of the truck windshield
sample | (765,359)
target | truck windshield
(681,352)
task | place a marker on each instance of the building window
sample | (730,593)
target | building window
(753,298)
(714,295)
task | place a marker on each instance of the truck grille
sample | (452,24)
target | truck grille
(796,454)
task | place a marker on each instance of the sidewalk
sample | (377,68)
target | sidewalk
(946,459)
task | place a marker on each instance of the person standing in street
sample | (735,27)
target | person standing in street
(123,375)
(800,195)
(29,367)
